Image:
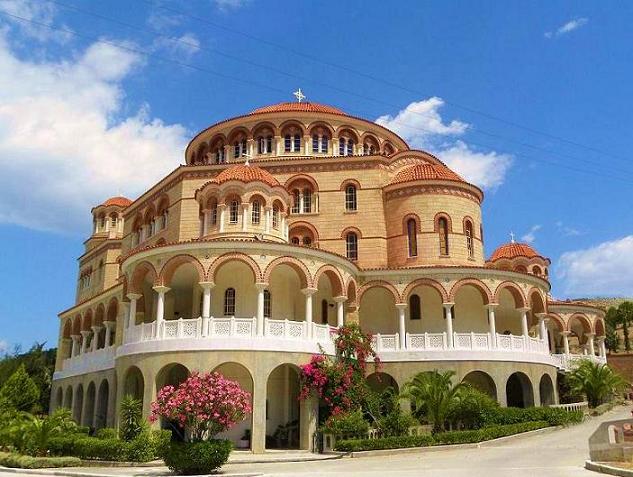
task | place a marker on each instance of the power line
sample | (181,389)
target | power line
(190,44)
(392,84)
(252,83)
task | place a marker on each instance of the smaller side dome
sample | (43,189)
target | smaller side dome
(118,201)
(305,107)
(514,250)
(245,173)
(420,172)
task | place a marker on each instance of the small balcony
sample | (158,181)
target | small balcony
(88,362)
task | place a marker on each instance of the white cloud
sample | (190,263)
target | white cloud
(604,269)
(34,11)
(422,126)
(420,123)
(5,347)
(226,5)
(566,230)
(183,47)
(161,20)
(65,143)
(530,236)
(568,27)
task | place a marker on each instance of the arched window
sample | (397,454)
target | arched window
(414,307)
(307,201)
(468,231)
(295,240)
(214,213)
(292,143)
(324,311)
(369,149)
(267,304)
(112,222)
(315,143)
(265,144)
(233,212)
(412,235)
(239,148)
(307,241)
(320,143)
(275,217)
(255,212)
(350,198)
(229,302)
(220,157)
(442,226)
(481,233)
(342,147)
(351,246)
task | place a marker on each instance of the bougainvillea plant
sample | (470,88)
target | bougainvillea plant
(204,404)
(340,381)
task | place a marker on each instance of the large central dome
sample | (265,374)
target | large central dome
(298,107)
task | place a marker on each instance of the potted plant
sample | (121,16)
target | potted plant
(245,440)
(204,405)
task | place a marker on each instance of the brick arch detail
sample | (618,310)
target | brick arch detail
(449,222)
(352,297)
(429,282)
(336,279)
(478,284)
(519,298)
(418,223)
(305,277)
(138,275)
(227,257)
(299,177)
(167,271)
(595,326)
(583,319)
(531,293)
(380,284)
(558,320)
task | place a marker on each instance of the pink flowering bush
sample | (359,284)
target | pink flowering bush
(204,404)
(340,382)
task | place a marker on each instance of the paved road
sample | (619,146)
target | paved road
(560,453)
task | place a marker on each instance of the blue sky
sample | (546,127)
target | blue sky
(529,100)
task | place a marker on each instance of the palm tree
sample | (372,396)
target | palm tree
(596,381)
(433,394)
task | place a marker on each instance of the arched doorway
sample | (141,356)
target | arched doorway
(546,390)
(78,403)
(483,382)
(89,414)
(519,391)
(283,417)
(377,311)
(378,382)
(469,313)
(59,398)
(134,384)
(172,375)
(239,373)
(68,398)
(103,396)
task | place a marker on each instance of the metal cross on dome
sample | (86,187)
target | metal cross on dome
(299,95)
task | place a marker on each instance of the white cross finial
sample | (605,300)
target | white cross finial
(511,237)
(248,157)
(299,95)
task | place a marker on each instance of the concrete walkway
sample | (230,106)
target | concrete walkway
(560,453)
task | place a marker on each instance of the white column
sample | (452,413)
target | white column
(492,324)
(449,323)
(84,340)
(301,202)
(245,207)
(267,218)
(250,147)
(206,305)
(402,325)
(205,222)
(592,348)
(278,142)
(108,332)
(260,307)
(95,340)
(566,341)
(542,328)
(75,348)
(335,146)
(160,307)
(282,224)
(340,310)
(603,347)
(524,323)
(131,318)
(306,145)
(308,292)
(222,211)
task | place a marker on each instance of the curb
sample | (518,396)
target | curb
(447,447)
(607,469)
(70,473)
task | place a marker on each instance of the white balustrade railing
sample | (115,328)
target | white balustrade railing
(574,406)
(90,361)
(570,361)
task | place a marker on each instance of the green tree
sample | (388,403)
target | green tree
(612,320)
(625,314)
(20,391)
(598,382)
(433,394)
(131,418)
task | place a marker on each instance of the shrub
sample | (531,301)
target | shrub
(350,425)
(91,448)
(470,408)
(598,382)
(515,415)
(27,462)
(193,458)
(131,418)
(453,437)
(106,433)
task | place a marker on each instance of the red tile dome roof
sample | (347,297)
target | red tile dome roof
(245,173)
(512,250)
(426,171)
(298,107)
(117,201)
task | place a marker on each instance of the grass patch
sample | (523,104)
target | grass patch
(18,461)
